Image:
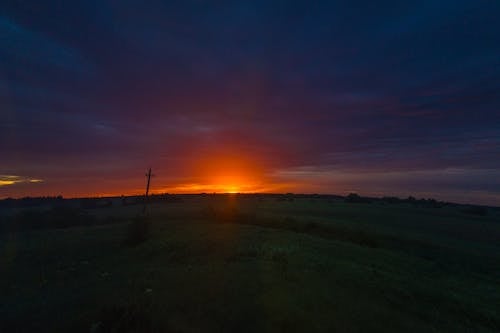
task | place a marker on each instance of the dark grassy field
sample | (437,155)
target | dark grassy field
(244,264)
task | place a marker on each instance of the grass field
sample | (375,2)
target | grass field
(243,264)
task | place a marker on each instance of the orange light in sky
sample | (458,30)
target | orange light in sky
(228,173)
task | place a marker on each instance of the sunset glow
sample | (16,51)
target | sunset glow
(347,101)
(221,188)
(224,172)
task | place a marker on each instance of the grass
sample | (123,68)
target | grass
(231,263)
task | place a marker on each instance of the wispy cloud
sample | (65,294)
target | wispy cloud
(22,44)
(6,180)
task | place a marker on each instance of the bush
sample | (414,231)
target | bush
(65,217)
(355,198)
(138,231)
(228,215)
(475,210)
(391,200)
(55,218)
(122,318)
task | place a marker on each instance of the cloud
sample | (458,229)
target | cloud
(91,96)
(6,180)
(23,45)
(452,184)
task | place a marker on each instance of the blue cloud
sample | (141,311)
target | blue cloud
(21,46)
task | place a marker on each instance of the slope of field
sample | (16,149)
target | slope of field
(246,264)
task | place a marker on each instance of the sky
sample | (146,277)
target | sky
(376,97)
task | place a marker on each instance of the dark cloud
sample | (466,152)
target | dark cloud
(93,89)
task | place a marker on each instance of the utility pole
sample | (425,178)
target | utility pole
(147,191)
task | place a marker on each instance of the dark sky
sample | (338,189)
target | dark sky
(376,97)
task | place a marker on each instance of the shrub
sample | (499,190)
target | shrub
(122,318)
(64,217)
(391,200)
(55,218)
(138,231)
(475,210)
(355,198)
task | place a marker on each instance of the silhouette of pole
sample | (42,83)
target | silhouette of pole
(147,192)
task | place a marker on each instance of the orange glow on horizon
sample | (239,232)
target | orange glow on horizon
(215,188)
(211,172)
(225,172)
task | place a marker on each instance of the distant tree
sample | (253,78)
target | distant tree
(411,199)
(355,198)
(391,200)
